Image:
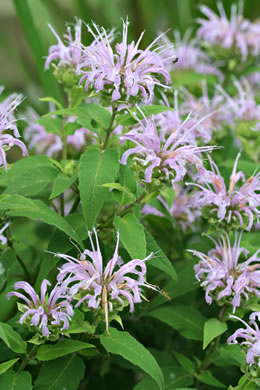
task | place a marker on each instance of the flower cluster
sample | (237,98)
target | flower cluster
(47,313)
(104,287)
(238,32)
(8,122)
(229,205)
(223,276)
(69,55)
(87,280)
(49,143)
(163,160)
(190,56)
(127,71)
(251,335)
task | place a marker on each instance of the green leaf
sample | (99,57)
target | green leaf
(209,379)
(6,365)
(130,119)
(127,178)
(87,112)
(64,373)
(22,167)
(118,187)
(33,181)
(78,325)
(7,260)
(96,168)
(228,355)
(212,329)
(62,183)
(12,339)
(51,125)
(160,260)
(61,348)
(13,381)
(185,362)
(123,344)
(25,10)
(18,206)
(187,320)
(50,99)
(131,235)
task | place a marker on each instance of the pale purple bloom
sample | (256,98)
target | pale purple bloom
(243,106)
(216,111)
(251,335)
(163,160)
(8,122)
(234,203)
(103,286)
(128,70)
(49,143)
(223,276)
(190,56)
(237,32)
(3,239)
(180,209)
(66,54)
(46,312)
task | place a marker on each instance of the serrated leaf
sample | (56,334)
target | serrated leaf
(63,373)
(22,167)
(212,329)
(123,344)
(228,355)
(6,365)
(186,320)
(61,348)
(87,111)
(62,183)
(19,206)
(96,168)
(33,181)
(16,381)
(160,260)
(208,378)
(12,339)
(131,235)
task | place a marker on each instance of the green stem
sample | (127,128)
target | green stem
(27,358)
(125,210)
(110,127)
(75,205)
(20,261)
(64,141)
(62,205)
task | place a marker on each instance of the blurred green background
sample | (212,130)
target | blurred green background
(25,36)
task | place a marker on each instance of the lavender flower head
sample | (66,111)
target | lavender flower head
(251,335)
(190,56)
(8,122)
(128,70)
(48,314)
(49,143)
(223,277)
(104,287)
(203,106)
(232,204)
(238,32)
(66,55)
(163,160)
(243,106)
